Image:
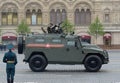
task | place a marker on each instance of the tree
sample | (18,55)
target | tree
(96,29)
(67,27)
(23,28)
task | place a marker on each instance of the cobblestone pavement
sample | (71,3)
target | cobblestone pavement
(109,73)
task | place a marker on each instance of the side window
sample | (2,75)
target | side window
(39,40)
(56,41)
(70,43)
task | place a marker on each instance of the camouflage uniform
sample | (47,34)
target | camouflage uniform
(11,60)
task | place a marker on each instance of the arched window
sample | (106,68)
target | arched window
(64,16)
(9,15)
(88,17)
(39,17)
(33,13)
(82,15)
(53,16)
(58,16)
(9,18)
(28,17)
(34,17)
(107,15)
(77,17)
(15,18)
(4,18)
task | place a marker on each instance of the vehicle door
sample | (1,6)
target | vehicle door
(56,51)
(73,50)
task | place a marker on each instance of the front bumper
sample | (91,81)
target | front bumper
(106,61)
(106,57)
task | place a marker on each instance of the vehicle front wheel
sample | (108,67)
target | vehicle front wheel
(37,63)
(93,63)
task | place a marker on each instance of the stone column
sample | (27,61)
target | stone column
(45,18)
(70,16)
(21,15)
(93,15)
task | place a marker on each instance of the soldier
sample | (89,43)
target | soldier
(43,30)
(54,29)
(59,28)
(49,28)
(11,60)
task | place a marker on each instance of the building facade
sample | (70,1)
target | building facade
(39,13)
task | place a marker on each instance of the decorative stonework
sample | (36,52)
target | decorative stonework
(71,1)
(58,6)
(9,7)
(45,0)
(82,6)
(32,6)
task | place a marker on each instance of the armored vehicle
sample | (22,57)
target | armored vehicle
(41,50)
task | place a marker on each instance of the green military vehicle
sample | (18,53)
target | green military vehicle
(41,50)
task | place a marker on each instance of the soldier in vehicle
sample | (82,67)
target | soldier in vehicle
(50,28)
(54,29)
(59,30)
(11,60)
(43,30)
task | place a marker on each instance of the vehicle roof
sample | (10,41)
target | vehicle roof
(54,36)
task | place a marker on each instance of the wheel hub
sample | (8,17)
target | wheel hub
(37,63)
(93,62)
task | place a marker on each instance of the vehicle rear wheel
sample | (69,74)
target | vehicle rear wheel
(38,63)
(20,45)
(93,63)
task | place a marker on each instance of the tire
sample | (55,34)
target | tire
(20,45)
(93,63)
(37,63)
